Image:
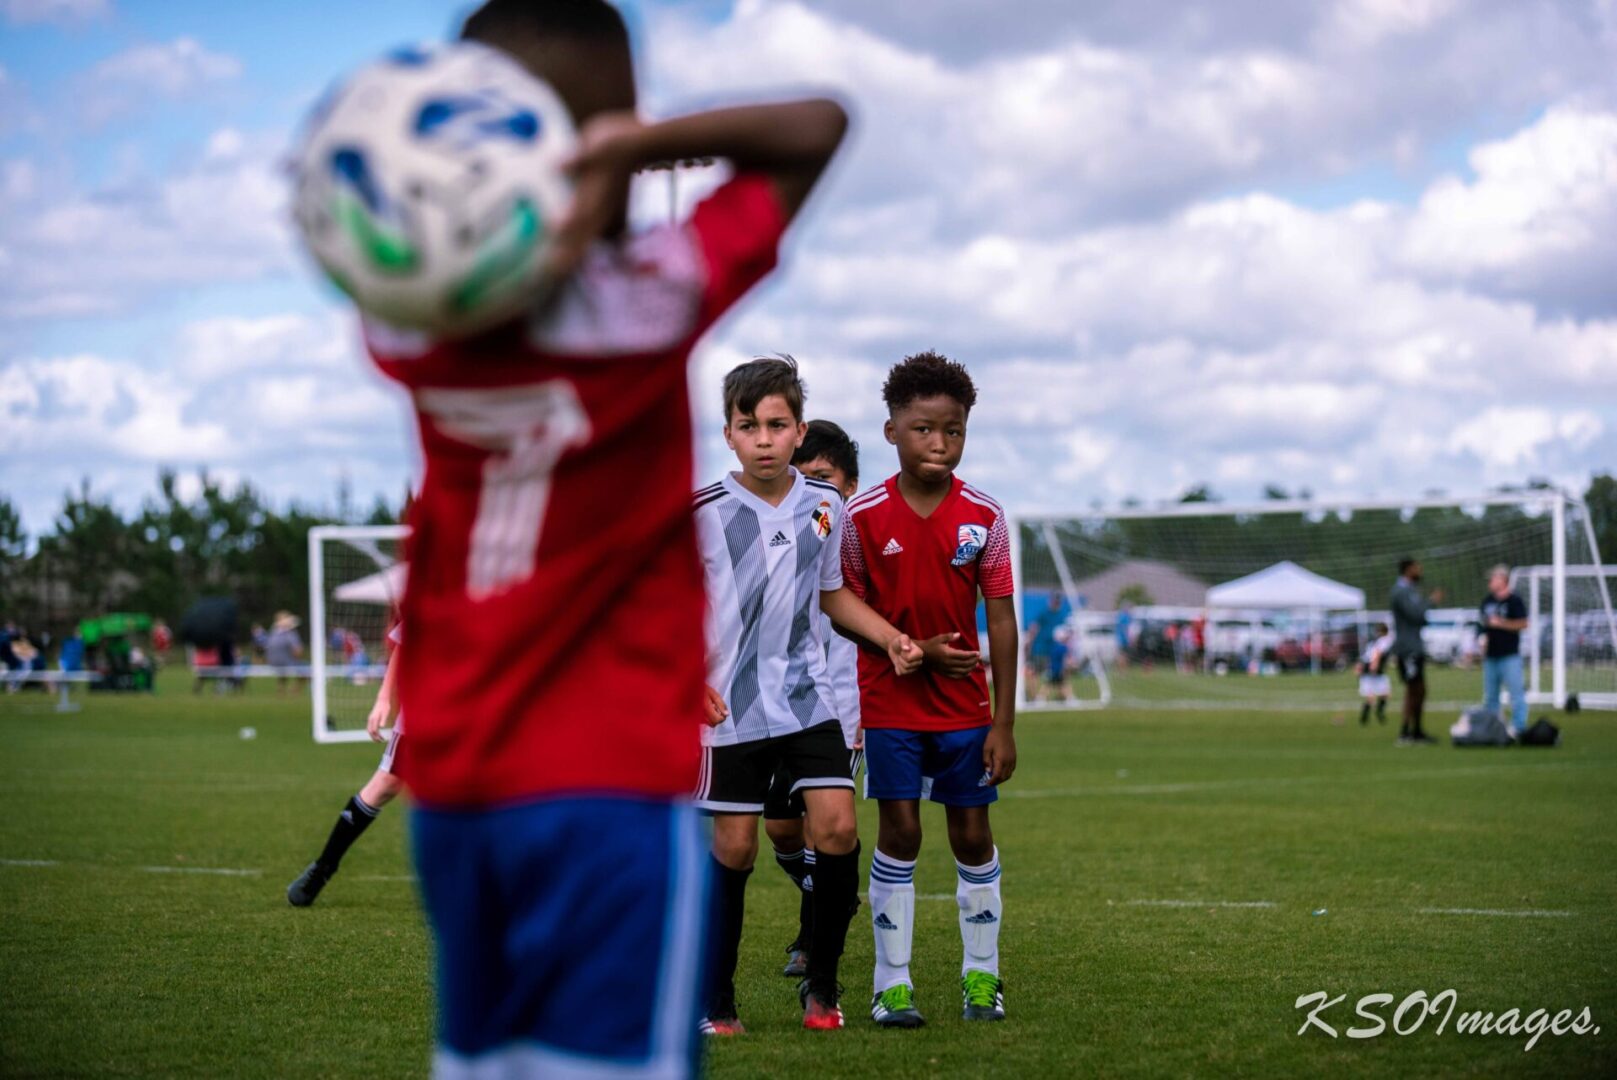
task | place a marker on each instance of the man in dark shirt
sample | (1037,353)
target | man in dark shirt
(1409,610)
(1504,617)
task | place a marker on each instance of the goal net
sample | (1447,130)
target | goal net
(1270,605)
(356,578)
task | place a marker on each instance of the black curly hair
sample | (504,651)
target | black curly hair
(928,374)
(827,440)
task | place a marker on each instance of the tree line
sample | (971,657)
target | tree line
(94,558)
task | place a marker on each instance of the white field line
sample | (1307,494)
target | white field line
(29,862)
(1213,704)
(219,871)
(383,877)
(1270,782)
(1202,903)
(1533,914)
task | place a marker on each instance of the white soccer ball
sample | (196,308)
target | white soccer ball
(428,183)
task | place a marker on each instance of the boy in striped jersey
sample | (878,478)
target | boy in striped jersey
(828,455)
(770,542)
(919,549)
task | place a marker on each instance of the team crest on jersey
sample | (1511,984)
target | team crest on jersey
(969,545)
(822,520)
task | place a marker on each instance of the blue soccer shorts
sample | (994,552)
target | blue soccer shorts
(570,937)
(945,766)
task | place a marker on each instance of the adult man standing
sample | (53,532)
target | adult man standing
(1504,617)
(1409,610)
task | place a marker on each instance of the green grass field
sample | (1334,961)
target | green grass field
(145,847)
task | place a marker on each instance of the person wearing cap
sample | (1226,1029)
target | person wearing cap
(283,648)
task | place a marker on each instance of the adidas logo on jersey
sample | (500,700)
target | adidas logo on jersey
(982,918)
(884,923)
(893,548)
(780,540)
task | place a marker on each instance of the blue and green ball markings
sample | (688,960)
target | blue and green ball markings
(504,259)
(466,119)
(375,223)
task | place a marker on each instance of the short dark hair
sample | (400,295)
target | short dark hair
(757,379)
(1404,565)
(928,374)
(1381,627)
(508,23)
(827,440)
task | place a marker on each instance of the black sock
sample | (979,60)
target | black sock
(1364,713)
(796,868)
(805,919)
(354,819)
(836,897)
(729,904)
(1381,710)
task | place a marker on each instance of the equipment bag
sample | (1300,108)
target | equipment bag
(1479,727)
(1542,733)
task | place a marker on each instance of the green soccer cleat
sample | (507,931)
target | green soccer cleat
(984,996)
(301,893)
(895,1007)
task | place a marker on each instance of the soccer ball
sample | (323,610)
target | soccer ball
(427,184)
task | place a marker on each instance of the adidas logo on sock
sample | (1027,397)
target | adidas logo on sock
(884,923)
(982,918)
(779,540)
(893,548)
(348,816)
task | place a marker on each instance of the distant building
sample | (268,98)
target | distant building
(1161,582)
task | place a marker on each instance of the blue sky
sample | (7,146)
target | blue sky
(1363,248)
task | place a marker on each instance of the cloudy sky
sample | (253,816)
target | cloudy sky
(1359,246)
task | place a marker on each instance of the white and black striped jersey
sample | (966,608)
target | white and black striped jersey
(842,663)
(765,567)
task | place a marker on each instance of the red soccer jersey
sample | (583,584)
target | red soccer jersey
(554,603)
(923,575)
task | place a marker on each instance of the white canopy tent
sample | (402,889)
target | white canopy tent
(383,587)
(1289,587)
(1285,586)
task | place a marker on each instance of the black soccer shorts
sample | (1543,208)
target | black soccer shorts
(783,804)
(736,779)
(1411,668)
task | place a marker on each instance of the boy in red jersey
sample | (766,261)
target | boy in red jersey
(554,582)
(919,549)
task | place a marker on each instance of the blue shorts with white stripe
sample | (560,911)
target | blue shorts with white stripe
(570,937)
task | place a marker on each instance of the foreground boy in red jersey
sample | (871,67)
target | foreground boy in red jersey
(919,549)
(555,585)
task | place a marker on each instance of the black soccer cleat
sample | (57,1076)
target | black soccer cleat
(302,892)
(796,962)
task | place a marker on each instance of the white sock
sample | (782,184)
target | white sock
(977,894)
(892,918)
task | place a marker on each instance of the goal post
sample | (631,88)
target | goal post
(356,578)
(1270,604)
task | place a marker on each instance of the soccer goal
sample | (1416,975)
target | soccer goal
(356,578)
(1269,605)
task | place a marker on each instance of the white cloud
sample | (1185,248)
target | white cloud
(1507,436)
(175,70)
(1540,217)
(61,12)
(219,217)
(285,401)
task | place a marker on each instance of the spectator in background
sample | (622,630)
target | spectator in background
(1043,637)
(1125,617)
(1409,610)
(283,648)
(162,641)
(1504,617)
(72,655)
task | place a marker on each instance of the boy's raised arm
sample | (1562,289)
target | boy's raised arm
(791,141)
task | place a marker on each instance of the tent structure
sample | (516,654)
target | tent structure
(1285,586)
(1288,587)
(383,587)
